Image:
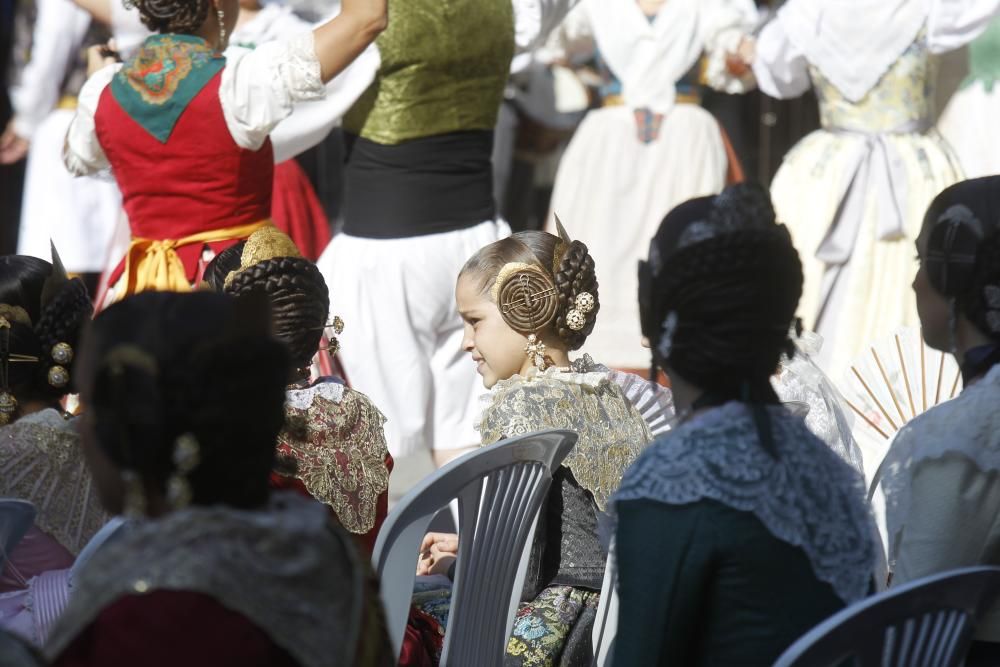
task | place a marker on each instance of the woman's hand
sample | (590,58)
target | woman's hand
(437,552)
(13,147)
(739,63)
(100,56)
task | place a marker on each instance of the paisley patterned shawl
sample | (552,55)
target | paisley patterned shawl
(582,399)
(336,436)
(155,86)
(41,461)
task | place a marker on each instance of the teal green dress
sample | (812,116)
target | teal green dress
(727,554)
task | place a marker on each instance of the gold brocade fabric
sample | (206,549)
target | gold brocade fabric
(337,439)
(284,567)
(444,67)
(41,461)
(584,400)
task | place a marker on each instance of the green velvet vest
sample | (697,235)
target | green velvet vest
(444,67)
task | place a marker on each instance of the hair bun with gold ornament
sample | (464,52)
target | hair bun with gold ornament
(527,297)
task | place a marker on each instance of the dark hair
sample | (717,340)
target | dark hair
(726,278)
(299,296)
(575,274)
(178,16)
(58,309)
(162,365)
(981,301)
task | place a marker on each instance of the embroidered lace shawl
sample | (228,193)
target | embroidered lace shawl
(336,436)
(41,461)
(968,426)
(807,497)
(582,399)
(285,568)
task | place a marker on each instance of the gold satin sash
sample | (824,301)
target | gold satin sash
(153,264)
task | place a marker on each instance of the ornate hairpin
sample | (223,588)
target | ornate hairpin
(529,301)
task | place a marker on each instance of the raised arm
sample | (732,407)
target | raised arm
(342,39)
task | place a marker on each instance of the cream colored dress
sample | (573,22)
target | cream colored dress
(854,193)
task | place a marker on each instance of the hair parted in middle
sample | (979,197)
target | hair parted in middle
(537,279)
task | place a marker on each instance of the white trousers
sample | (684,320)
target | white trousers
(402,339)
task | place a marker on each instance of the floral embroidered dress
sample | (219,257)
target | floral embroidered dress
(184,131)
(41,461)
(566,568)
(853,194)
(335,437)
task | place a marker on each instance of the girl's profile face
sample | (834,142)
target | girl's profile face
(496,349)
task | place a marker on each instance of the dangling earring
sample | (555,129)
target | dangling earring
(535,349)
(186,457)
(222,28)
(134,504)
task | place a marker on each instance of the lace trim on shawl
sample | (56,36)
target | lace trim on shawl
(337,439)
(968,425)
(581,399)
(41,461)
(285,568)
(808,497)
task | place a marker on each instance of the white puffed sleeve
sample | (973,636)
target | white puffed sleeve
(535,19)
(82,152)
(724,24)
(954,23)
(781,69)
(259,88)
(59,30)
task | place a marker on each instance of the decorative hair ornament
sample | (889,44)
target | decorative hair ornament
(529,302)
(14,315)
(266,243)
(666,343)
(576,318)
(991,293)
(8,402)
(562,246)
(186,457)
(222,27)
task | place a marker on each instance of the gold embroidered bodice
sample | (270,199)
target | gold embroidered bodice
(41,461)
(584,400)
(902,100)
(336,436)
(444,67)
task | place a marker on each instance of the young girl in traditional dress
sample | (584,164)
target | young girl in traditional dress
(942,473)
(853,192)
(527,302)
(185,130)
(333,444)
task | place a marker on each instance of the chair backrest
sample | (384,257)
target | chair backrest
(500,489)
(606,623)
(929,622)
(16,519)
(100,538)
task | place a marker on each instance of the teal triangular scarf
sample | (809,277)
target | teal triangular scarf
(156,85)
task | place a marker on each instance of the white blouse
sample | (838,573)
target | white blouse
(854,55)
(942,485)
(648,56)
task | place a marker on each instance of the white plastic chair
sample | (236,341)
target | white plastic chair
(500,489)
(925,623)
(16,519)
(606,624)
(100,538)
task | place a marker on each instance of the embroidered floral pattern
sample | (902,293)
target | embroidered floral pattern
(543,627)
(41,461)
(160,66)
(340,451)
(584,400)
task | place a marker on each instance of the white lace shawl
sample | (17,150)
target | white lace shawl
(968,425)
(807,497)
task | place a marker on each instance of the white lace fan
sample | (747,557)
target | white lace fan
(893,381)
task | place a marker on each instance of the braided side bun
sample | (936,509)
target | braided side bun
(300,301)
(576,275)
(179,16)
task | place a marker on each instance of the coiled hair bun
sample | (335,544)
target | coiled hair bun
(179,16)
